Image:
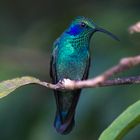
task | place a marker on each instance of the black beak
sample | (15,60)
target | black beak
(107,32)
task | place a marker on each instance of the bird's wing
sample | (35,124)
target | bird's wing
(53,72)
(85,76)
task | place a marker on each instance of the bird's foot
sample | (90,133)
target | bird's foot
(59,85)
(65,84)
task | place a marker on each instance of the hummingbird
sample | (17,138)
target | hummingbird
(70,59)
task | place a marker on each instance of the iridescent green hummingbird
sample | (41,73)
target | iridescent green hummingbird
(71,59)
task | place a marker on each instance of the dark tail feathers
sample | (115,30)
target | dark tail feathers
(64,127)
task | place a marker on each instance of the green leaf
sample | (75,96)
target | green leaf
(8,86)
(123,124)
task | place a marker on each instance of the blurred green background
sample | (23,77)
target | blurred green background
(27,31)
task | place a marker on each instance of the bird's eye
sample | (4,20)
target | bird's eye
(83,25)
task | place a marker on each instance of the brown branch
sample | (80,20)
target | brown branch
(101,80)
(134,28)
(121,81)
(8,86)
(72,85)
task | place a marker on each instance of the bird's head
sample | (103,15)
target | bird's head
(82,26)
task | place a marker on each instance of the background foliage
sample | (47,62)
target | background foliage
(27,31)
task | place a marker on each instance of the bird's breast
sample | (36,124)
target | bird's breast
(71,63)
